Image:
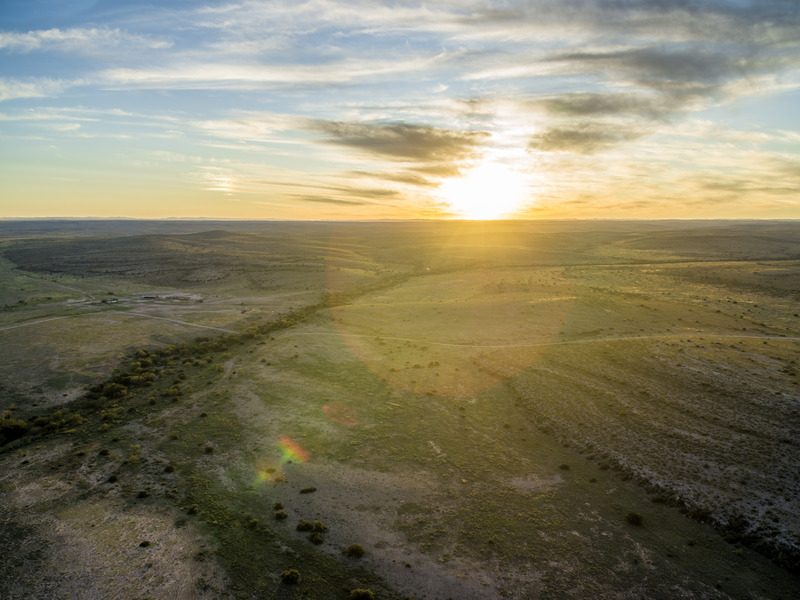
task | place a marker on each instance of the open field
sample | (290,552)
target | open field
(490,410)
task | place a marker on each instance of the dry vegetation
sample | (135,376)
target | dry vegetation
(394,410)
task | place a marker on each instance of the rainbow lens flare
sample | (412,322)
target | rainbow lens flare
(270,469)
(291,450)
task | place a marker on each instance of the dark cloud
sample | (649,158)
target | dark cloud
(585,104)
(350,196)
(402,141)
(405,177)
(583,138)
(684,71)
(347,190)
(672,81)
(423,152)
(680,20)
(669,57)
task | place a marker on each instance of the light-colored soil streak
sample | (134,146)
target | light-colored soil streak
(115,313)
(688,333)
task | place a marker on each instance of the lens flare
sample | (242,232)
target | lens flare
(267,470)
(291,450)
(270,469)
(340,413)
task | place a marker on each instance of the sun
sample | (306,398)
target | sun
(488,191)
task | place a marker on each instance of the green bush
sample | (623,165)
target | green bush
(114,390)
(304,525)
(361,594)
(290,576)
(319,526)
(634,519)
(11,428)
(354,551)
(316,538)
(76,419)
(41,422)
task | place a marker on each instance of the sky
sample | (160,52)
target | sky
(320,109)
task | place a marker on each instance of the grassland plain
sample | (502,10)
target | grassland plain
(489,410)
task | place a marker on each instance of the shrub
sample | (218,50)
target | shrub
(290,576)
(304,525)
(114,390)
(308,490)
(634,519)
(278,505)
(319,526)
(361,594)
(133,457)
(354,551)
(281,515)
(316,538)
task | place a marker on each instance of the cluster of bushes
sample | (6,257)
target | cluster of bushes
(317,528)
(280,513)
(12,428)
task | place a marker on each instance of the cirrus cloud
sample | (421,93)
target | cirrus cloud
(78,40)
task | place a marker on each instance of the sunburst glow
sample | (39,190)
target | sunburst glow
(489,191)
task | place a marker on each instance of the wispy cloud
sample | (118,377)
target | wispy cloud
(216,75)
(326,200)
(11,89)
(78,40)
